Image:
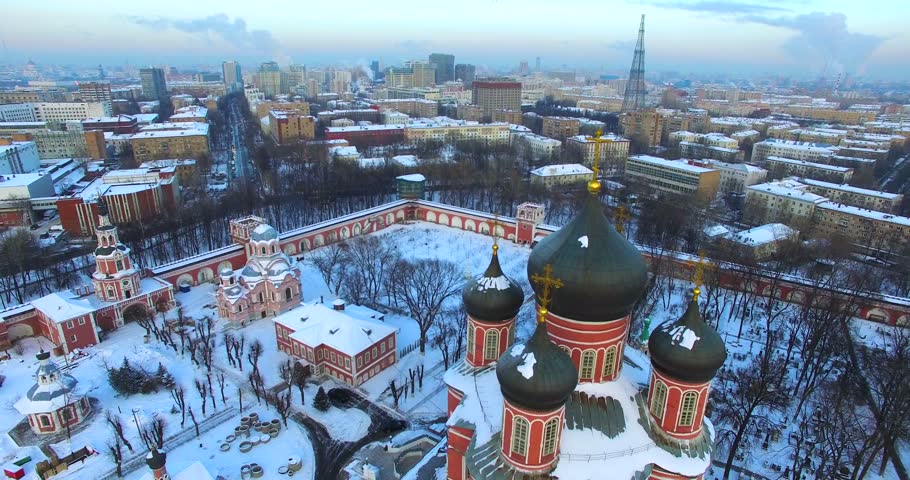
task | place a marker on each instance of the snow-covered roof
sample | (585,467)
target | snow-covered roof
(862,212)
(793,144)
(763,234)
(413,177)
(562,169)
(788,189)
(405,160)
(343,151)
(315,324)
(716,230)
(741,167)
(850,188)
(819,166)
(674,164)
(65,305)
(52,390)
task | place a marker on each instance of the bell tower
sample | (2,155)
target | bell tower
(115,277)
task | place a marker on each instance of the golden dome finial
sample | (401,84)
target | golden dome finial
(542,315)
(695,293)
(495,249)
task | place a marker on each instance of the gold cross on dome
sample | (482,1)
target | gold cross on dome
(547,282)
(698,272)
(594,185)
(493,232)
(621,216)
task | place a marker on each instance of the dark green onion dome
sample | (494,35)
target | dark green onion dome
(155,459)
(602,274)
(687,349)
(492,297)
(537,375)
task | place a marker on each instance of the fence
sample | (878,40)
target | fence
(408,349)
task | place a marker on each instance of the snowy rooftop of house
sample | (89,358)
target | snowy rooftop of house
(763,234)
(358,128)
(849,188)
(711,147)
(810,146)
(607,136)
(168,162)
(716,230)
(192,111)
(117,119)
(745,133)
(146,117)
(315,324)
(742,167)
(674,164)
(19,179)
(413,177)
(819,166)
(196,471)
(563,169)
(842,158)
(862,212)
(788,189)
(66,305)
(376,162)
(179,129)
(405,160)
(343,151)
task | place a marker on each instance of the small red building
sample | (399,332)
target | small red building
(367,135)
(55,401)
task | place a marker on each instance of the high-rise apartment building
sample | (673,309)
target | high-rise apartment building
(153,83)
(445,67)
(492,95)
(412,74)
(465,72)
(270,79)
(233,78)
(95,91)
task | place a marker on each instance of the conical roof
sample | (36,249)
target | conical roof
(537,375)
(602,274)
(687,349)
(492,296)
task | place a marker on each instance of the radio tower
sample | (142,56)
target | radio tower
(634,98)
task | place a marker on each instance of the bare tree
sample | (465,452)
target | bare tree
(193,419)
(203,390)
(328,260)
(448,335)
(299,378)
(179,397)
(369,260)
(424,286)
(117,455)
(154,432)
(253,354)
(117,427)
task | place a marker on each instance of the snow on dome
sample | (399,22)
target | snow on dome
(264,233)
(498,283)
(338,302)
(682,336)
(526,367)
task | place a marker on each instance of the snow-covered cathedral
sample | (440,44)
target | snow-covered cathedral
(571,403)
(269,283)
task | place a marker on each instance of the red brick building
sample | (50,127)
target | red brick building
(367,135)
(350,348)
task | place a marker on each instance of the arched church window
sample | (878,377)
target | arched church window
(491,345)
(609,362)
(262,250)
(587,365)
(119,264)
(658,399)
(549,436)
(287,293)
(520,429)
(687,412)
(470,339)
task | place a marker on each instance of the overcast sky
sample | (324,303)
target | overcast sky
(750,36)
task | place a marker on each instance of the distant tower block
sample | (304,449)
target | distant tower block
(242,228)
(530,215)
(634,98)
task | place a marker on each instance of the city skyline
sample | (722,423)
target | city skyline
(807,38)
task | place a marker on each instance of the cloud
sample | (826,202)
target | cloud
(717,7)
(413,44)
(823,39)
(234,32)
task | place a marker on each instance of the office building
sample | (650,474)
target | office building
(492,95)
(812,152)
(413,107)
(17,112)
(61,112)
(233,78)
(270,79)
(445,67)
(18,157)
(411,75)
(169,140)
(645,125)
(674,177)
(780,167)
(447,130)
(566,175)
(785,202)
(536,149)
(613,152)
(95,92)
(465,72)
(154,87)
(560,128)
(735,177)
(288,126)
(855,196)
